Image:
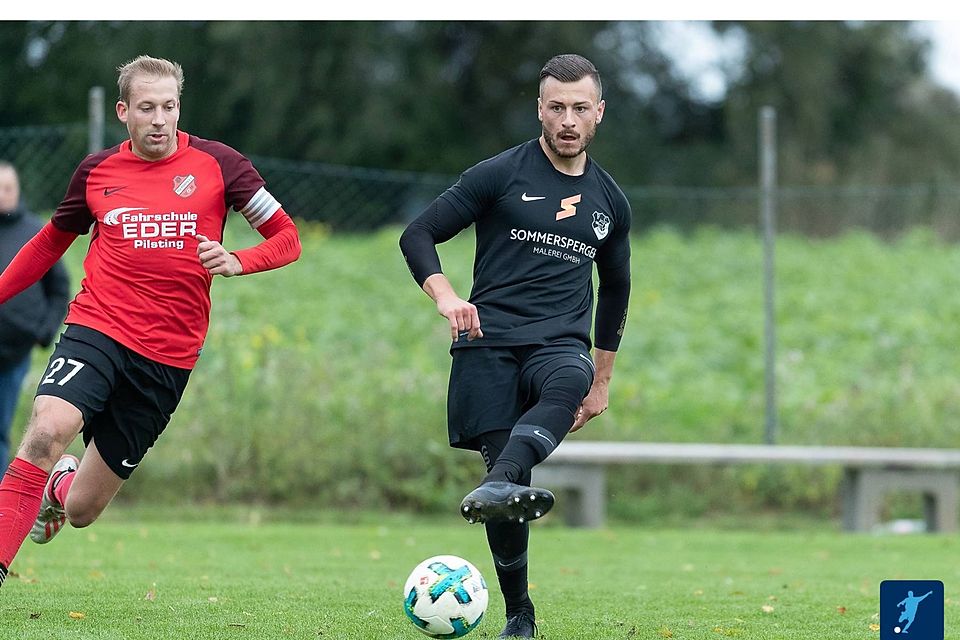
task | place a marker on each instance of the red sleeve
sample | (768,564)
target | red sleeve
(281,245)
(34,260)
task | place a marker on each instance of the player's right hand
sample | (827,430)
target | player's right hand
(462,316)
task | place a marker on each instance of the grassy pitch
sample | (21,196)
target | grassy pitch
(131,577)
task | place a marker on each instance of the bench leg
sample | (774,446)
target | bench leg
(940,506)
(863,491)
(585,491)
(593,500)
(861,500)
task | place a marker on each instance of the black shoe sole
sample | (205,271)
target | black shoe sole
(522,505)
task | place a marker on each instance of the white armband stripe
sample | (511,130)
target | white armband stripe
(260,208)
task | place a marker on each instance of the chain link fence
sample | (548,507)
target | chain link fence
(344,198)
(811,211)
(45,158)
(351,199)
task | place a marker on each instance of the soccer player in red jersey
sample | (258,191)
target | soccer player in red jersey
(155,207)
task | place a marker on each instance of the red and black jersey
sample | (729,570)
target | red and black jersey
(143,284)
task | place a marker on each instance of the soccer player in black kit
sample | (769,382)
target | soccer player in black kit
(522,375)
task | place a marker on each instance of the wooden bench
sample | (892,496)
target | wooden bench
(869,473)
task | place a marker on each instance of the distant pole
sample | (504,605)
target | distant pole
(768,214)
(96,120)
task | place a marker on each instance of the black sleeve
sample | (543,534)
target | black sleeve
(613,293)
(452,212)
(613,297)
(437,224)
(56,289)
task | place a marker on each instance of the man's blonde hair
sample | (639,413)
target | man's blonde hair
(147,66)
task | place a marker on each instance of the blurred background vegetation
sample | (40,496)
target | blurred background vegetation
(324,384)
(856,100)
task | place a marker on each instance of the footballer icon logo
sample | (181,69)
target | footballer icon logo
(601,224)
(567,210)
(184,186)
(911,609)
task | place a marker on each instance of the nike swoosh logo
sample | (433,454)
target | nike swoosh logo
(536,432)
(527,198)
(109,192)
(589,361)
(127,464)
(507,565)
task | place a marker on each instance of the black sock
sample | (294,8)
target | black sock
(535,436)
(508,543)
(501,469)
(543,426)
(520,457)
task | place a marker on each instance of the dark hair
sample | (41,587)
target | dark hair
(570,67)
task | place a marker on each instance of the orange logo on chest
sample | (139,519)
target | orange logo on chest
(567,208)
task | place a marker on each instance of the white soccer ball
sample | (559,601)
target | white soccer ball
(445,597)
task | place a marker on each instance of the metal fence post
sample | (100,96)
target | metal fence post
(768,187)
(95,119)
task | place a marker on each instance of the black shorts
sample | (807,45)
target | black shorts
(126,399)
(491,387)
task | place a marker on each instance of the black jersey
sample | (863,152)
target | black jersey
(539,232)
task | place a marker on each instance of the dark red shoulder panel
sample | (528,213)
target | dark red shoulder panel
(73,214)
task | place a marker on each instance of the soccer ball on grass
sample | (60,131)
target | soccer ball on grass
(445,597)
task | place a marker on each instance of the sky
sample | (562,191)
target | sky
(945,57)
(684,34)
(699,53)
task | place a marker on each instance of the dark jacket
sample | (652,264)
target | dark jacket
(33,316)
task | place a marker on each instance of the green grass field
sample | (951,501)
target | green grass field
(245,574)
(305,367)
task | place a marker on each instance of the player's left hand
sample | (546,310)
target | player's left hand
(593,405)
(217,260)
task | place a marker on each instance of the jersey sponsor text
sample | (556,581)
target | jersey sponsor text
(157,230)
(556,253)
(553,239)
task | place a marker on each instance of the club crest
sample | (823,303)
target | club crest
(601,224)
(184,186)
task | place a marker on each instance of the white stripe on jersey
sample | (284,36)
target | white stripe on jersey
(261,208)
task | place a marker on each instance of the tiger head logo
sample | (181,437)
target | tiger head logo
(601,224)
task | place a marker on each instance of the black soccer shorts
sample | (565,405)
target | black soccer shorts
(126,399)
(491,387)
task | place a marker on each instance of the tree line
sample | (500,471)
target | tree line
(856,101)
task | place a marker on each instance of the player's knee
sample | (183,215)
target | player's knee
(82,519)
(566,388)
(39,449)
(82,514)
(50,429)
(42,445)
